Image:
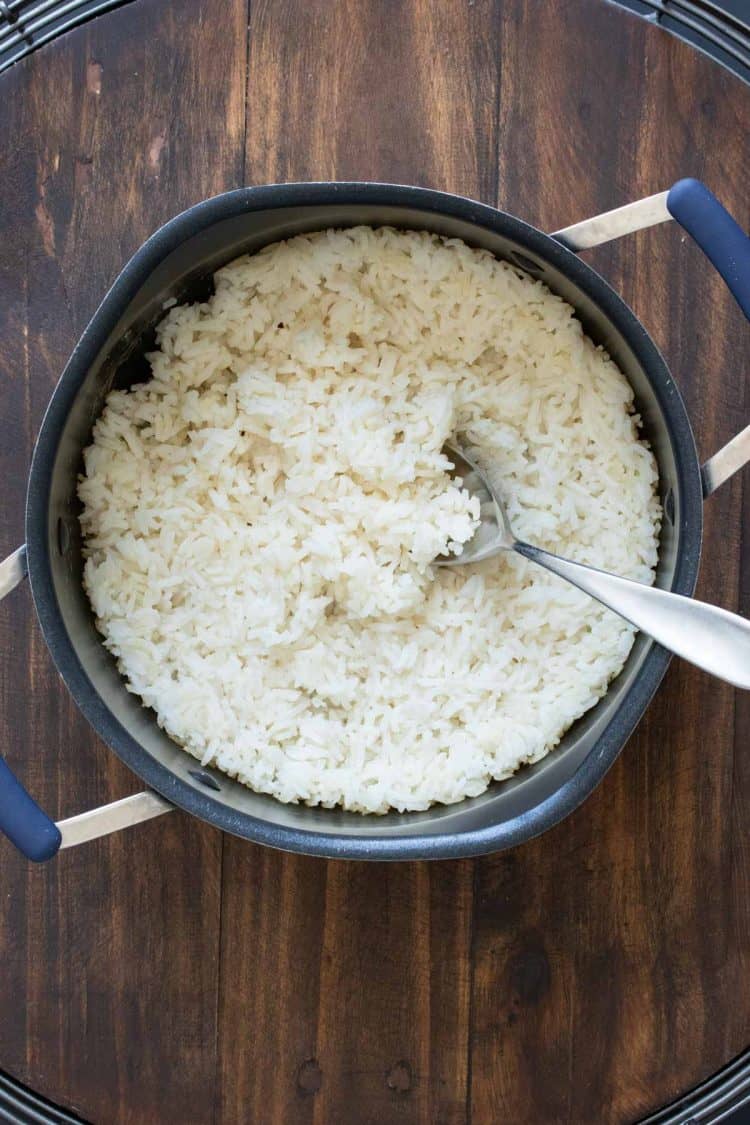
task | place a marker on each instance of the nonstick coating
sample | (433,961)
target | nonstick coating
(178,261)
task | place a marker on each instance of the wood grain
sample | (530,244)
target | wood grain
(171,974)
(397,91)
(112,947)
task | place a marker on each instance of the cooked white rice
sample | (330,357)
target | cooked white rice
(261,516)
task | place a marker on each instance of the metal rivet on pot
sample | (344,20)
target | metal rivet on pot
(205,779)
(63,536)
(668,506)
(528,265)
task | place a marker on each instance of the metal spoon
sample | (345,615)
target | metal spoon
(711,638)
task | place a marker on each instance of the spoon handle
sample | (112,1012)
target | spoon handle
(712,638)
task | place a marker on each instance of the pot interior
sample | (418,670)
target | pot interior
(178,263)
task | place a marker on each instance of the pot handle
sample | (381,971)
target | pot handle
(724,243)
(719,236)
(21,819)
(112,818)
(23,822)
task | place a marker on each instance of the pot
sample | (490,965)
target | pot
(178,263)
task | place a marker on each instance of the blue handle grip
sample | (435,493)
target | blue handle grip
(721,239)
(23,822)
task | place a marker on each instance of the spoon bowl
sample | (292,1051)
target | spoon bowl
(494,533)
(712,638)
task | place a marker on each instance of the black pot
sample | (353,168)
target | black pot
(178,262)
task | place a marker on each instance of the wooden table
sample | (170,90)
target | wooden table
(172,974)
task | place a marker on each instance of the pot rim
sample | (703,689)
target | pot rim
(414,845)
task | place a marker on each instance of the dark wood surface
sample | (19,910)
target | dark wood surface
(172,974)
